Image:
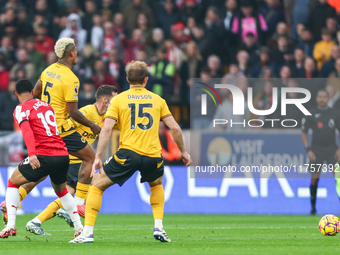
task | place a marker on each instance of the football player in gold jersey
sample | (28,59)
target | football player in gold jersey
(137,112)
(96,113)
(59,87)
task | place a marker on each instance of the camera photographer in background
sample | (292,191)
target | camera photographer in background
(323,121)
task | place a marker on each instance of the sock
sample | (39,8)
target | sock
(88,230)
(12,202)
(87,194)
(50,210)
(157,204)
(36,220)
(23,193)
(313,189)
(70,207)
(93,204)
(81,192)
(159,224)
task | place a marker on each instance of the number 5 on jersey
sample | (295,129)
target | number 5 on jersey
(141,114)
(46,93)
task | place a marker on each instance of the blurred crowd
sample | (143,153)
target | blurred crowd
(228,41)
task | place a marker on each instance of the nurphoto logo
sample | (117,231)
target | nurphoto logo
(238,105)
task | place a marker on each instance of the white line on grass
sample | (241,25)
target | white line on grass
(211,228)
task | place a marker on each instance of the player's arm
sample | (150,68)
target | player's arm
(38,89)
(305,125)
(104,138)
(72,109)
(176,133)
(105,135)
(304,138)
(28,136)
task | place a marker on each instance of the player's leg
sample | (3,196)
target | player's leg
(71,184)
(94,199)
(157,205)
(313,191)
(26,188)
(152,171)
(117,169)
(58,175)
(12,202)
(23,191)
(157,201)
(87,155)
(315,170)
(77,146)
(53,209)
(70,189)
(69,205)
(93,205)
(61,212)
(34,225)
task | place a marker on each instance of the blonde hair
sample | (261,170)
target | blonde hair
(197,52)
(61,45)
(136,72)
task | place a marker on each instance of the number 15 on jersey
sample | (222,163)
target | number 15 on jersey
(141,114)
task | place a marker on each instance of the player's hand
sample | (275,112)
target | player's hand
(311,155)
(34,162)
(95,129)
(337,155)
(97,164)
(186,158)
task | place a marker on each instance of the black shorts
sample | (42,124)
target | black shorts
(121,166)
(72,175)
(74,142)
(54,166)
(322,156)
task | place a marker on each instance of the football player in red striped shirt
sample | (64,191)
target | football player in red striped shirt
(47,155)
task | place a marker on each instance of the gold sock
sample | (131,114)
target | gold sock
(23,193)
(93,204)
(87,195)
(82,190)
(157,201)
(50,210)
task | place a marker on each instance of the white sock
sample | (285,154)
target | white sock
(36,220)
(79,201)
(12,202)
(159,224)
(88,230)
(71,208)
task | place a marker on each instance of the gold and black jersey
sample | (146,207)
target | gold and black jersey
(138,113)
(90,112)
(60,86)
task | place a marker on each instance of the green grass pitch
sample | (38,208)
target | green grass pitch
(191,234)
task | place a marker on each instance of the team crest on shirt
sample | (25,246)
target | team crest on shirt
(76,89)
(83,140)
(331,123)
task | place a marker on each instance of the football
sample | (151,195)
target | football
(329,225)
